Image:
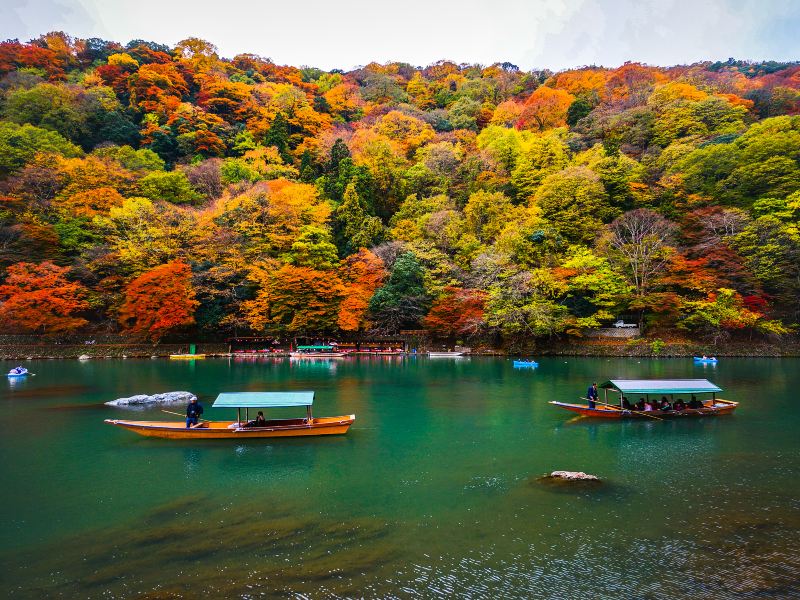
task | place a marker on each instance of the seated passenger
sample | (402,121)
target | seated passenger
(260,420)
(640,404)
(648,407)
(625,404)
(679,404)
(695,403)
(665,405)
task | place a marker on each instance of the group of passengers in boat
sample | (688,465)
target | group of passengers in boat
(664,405)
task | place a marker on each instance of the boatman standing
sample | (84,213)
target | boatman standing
(591,394)
(193,412)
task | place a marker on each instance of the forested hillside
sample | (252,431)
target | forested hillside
(155,190)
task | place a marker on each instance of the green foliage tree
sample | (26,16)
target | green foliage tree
(20,143)
(403,300)
(575,203)
(169,186)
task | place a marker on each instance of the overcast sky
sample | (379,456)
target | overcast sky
(347,33)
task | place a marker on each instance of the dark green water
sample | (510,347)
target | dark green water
(433,493)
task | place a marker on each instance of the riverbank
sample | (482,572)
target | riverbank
(646,347)
(99,351)
(30,348)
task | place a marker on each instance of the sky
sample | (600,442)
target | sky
(554,34)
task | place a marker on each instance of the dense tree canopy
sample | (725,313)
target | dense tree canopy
(159,189)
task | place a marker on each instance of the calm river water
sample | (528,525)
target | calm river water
(433,493)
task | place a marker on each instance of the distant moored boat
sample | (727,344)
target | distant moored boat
(525,364)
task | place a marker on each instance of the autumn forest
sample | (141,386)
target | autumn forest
(156,191)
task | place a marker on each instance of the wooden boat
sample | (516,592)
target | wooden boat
(444,354)
(644,388)
(316,352)
(186,356)
(525,364)
(238,429)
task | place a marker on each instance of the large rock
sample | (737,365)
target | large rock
(573,476)
(144,399)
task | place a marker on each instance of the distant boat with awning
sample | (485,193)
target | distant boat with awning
(700,394)
(245,429)
(317,352)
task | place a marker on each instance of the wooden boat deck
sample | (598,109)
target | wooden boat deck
(234,430)
(710,408)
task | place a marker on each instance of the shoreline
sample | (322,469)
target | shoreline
(638,349)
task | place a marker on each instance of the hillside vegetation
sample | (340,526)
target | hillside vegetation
(154,190)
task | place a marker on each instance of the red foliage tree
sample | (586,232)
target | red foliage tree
(38,297)
(457,312)
(159,301)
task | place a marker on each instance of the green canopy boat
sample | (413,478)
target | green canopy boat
(680,391)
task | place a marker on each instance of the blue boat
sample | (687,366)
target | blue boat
(705,360)
(525,364)
(18,372)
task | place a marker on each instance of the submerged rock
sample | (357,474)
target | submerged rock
(573,476)
(165,398)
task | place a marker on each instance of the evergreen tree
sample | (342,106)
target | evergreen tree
(355,227)
(278,136)
(403,301)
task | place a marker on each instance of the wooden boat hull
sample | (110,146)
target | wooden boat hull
(174,430)
(186,356)
(445,354)
(720,407)
(320,355)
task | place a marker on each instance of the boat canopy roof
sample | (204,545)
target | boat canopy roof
(661,386)
(315,347)
(263,399)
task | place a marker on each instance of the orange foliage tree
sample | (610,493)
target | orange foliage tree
(38,297)
(159,301)
(457,312)
(294,299)
(545,108)
(363,273)
(93,202)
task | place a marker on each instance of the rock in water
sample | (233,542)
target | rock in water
(165,398)
(574,476)
(84,357)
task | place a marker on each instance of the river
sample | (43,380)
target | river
(434,492)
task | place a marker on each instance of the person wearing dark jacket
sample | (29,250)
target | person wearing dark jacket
(193,413)
(591,394)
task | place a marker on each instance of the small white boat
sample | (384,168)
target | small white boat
(444,354)
(18,372)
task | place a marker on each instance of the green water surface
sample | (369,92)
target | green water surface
(435,491)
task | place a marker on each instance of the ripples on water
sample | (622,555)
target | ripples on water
(193,546)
